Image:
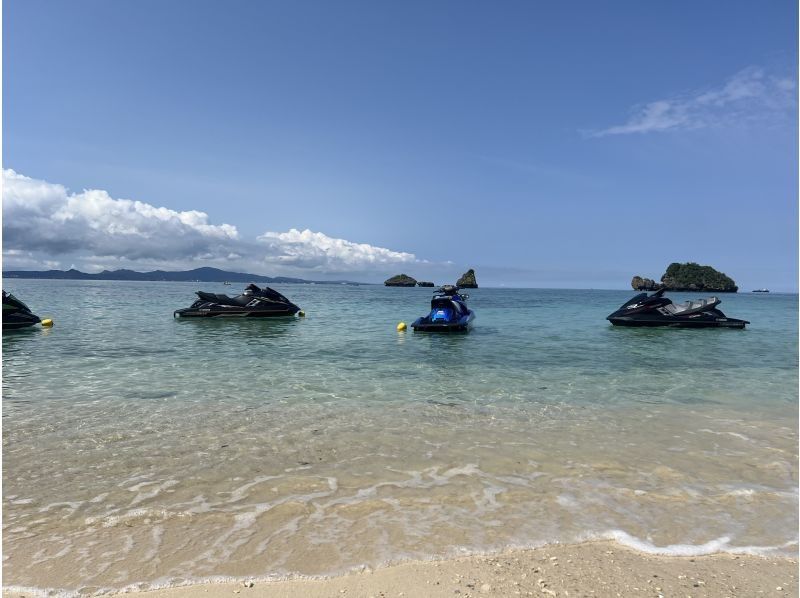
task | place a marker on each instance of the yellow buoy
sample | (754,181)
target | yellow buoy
(401,326)
(301,314)
(47,322)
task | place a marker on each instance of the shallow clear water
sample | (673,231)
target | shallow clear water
(138,449)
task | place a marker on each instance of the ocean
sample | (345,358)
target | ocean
(141,451)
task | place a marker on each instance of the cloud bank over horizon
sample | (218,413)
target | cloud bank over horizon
(751,95)
(45,226)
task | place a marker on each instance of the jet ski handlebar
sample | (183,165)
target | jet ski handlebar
(450,290)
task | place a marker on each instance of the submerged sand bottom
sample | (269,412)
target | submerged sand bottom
(319,489)
(588,569)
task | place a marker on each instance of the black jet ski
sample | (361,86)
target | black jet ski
(657,310)
(255,302)
(16,314)
(449,312)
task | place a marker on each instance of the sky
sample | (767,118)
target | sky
(544,144)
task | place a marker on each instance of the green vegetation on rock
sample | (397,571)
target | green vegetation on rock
(401,280)
(694,277)
(688,277)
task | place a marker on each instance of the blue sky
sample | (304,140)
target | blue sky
(569,144)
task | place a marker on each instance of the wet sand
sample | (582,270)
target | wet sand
(589,569)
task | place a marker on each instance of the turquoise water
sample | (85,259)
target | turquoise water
(141,450)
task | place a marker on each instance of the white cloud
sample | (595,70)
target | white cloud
(308,249)
(40,216)
(750,95)
(44,224)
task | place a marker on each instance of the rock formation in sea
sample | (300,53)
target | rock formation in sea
(423,283)
(467,280)
(401,280)
(644,284)
(694,277)
(688,277)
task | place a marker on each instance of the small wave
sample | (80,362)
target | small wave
(71,506)
(153,492)
(728,433)
(136,514)
(29,591)
(718,545)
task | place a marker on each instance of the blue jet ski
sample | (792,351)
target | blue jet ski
(449,312)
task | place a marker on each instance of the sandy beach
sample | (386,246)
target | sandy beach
(589,569)
(592,569)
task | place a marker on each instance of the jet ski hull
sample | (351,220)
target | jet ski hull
(16,314)
(16,321)
(221,311)
(679,322)
(461,325)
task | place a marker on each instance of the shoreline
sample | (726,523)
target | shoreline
(593,568)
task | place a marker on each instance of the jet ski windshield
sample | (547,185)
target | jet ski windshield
(266,293)
(447,289)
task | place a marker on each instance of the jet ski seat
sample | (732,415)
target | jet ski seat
(691,307)
(223,299)
(214,297)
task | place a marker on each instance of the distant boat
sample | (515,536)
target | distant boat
(760,291)
(226,283)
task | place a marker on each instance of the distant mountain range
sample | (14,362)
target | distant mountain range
(196,275)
